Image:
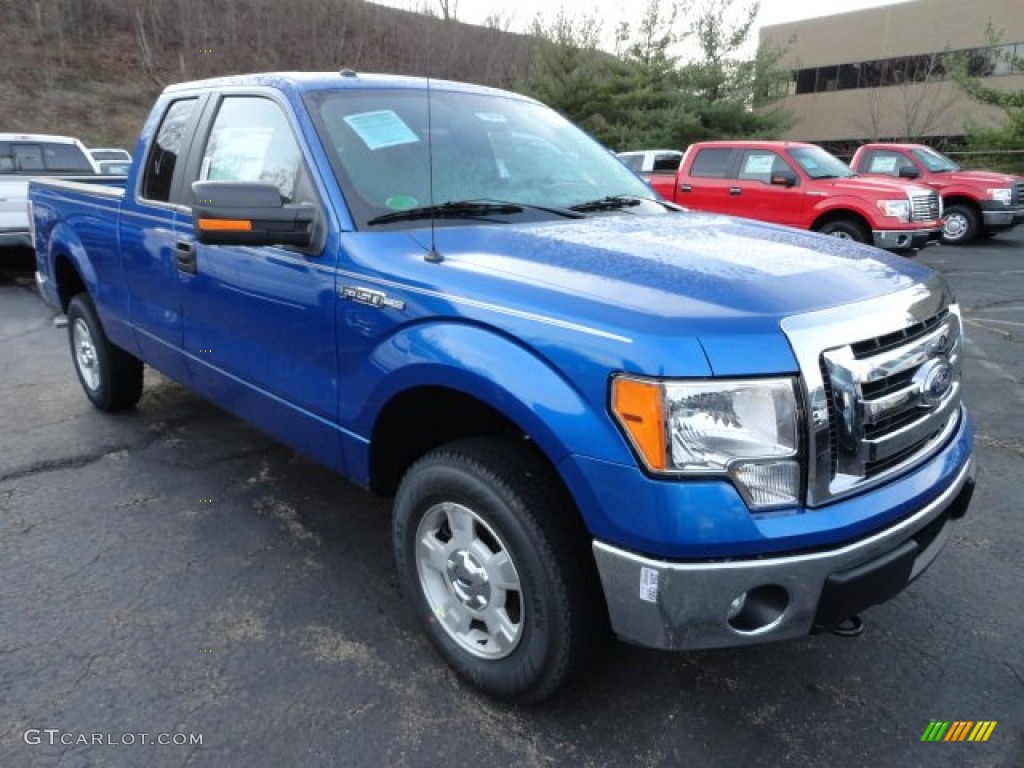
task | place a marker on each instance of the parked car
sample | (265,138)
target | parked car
(973,202)
(111,153)
(27,155)
(803,186)
(594,409)
(652,160)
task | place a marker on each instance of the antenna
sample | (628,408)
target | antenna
(432,256)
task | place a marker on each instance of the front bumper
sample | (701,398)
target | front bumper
(1003,218)
(902,239)
(681,606)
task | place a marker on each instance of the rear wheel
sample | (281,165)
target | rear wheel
(497,567)
(846,229)
(960,225)
(111,378)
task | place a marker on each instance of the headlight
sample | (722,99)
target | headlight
(898,209)
(745,429)
(1001,194)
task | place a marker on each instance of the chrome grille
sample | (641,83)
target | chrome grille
(882,382)
(1017,197)
(925,207)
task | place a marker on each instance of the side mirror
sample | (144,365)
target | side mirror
(783,179)
(909,172)
(248,213)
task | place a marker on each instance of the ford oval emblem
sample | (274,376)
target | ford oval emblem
(934,380)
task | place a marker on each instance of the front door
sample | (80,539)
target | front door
(259,322)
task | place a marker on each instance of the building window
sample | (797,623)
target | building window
(805,79)
(849,76)
(980,62)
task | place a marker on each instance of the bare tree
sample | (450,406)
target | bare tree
(914,102)
(449,9)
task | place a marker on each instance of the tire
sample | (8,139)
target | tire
(846,229)
(110,377)
(497,567)
(960,225)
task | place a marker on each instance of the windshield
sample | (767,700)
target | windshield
(819,164)
(934,161)
(492,147)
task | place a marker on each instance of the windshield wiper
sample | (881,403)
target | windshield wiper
(466,209)
(607,203)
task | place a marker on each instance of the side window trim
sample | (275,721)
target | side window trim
(192,166)
(183,153)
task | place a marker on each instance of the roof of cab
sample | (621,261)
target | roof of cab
(301,82)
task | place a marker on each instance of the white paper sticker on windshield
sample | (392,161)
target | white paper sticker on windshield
(381,129)
(758,164)
(883,164)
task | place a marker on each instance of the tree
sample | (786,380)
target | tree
(916,105)
(1008,138)
(566,68)
(721,86)
(646,95)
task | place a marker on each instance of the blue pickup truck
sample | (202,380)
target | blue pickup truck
(594,410)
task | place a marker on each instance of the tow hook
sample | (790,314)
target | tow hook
(849,627)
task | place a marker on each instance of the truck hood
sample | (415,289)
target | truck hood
(980,178)
(719,279)
(874,187)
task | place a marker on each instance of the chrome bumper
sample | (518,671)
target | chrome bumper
(1003,219)
(893,239)
(681,606)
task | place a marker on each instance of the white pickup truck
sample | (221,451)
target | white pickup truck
(27,155)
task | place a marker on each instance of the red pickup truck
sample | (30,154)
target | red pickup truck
(974,202)
(801,185)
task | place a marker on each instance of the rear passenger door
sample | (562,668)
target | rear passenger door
(755,197)
(706,185)
(150,216)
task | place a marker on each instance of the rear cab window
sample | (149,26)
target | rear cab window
(166,148)
(712,163)
(35,157)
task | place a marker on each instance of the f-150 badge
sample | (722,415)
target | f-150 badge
(370,297)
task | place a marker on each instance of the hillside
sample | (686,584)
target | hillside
(91,68)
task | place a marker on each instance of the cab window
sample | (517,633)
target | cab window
(251,140)
(712,163)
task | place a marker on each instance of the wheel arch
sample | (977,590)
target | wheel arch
(469,381)
(841,214)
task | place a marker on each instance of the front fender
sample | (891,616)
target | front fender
(845,204)
(495,369)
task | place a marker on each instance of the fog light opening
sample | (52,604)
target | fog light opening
(758,609)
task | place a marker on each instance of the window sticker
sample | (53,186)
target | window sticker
(883,164)
(381,129)
(758,164)
(491,117)
(401,202)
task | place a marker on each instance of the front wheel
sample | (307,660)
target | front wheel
(960,225)
(846,229)
(111,378)
(496,566)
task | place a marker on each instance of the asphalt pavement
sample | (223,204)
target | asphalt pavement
(177,589)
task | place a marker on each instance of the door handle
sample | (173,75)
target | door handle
(185,252)
(735,191)
(685,188)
